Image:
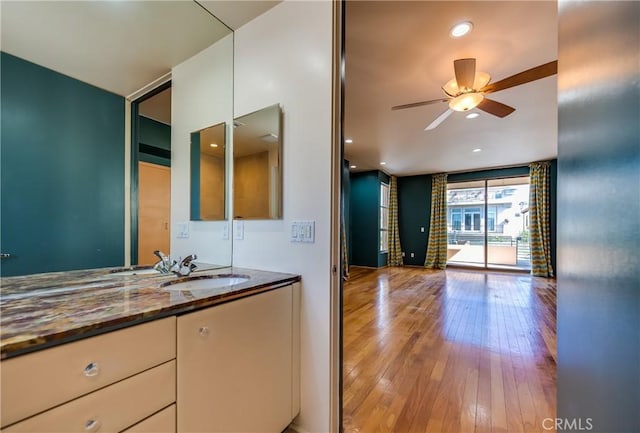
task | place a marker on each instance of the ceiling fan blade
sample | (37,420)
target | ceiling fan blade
(523,77)
(418,104)
(496,108)
(465,70)
(439,120)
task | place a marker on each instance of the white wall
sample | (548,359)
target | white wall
(202,96)
(285,56)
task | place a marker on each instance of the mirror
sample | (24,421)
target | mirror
(257,165)
(208,174)
(67,165)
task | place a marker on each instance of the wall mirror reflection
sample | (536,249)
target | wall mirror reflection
(208,174)
(66,134)
(257,164)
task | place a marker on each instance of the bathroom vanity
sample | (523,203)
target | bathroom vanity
(117,350)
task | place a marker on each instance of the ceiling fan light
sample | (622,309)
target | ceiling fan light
(451,88)
(466,101)
(481,80)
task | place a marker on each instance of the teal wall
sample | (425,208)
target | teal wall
(194,203)
(62,171)
(414,212)
(154,144)
(364,219)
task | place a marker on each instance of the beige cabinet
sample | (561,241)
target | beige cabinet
(103,383)
(238,365)
(161,422)
(229,368)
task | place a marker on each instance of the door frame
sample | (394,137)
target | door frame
(135,159)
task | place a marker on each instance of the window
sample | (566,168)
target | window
(384,217)
(488,223)
(455,220)
(472,219)
(491,219)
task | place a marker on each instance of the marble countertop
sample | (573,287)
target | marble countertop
(43,310)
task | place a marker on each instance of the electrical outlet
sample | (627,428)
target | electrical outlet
(422,229)
(225,231)
(412,255)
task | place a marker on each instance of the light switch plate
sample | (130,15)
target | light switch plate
(182,230)
(225,231)
(303,231)
(238,230)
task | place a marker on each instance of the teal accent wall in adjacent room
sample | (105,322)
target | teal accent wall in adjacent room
(154,141)
(414,212)
(364,220)
(62,171)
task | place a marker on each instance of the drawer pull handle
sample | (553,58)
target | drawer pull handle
(203,331)
(91,369)
(92,425)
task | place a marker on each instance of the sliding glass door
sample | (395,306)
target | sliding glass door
(488,223)
(465,223)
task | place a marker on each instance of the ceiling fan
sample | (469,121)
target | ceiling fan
(469,87)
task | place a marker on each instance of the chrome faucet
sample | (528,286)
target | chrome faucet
(164,265)
(185,266)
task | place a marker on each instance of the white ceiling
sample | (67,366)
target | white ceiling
(158,107)
(119,46)
(401,52)
(235,13)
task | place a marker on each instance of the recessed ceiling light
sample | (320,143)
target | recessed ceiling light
(383,163)
(354,166)
(348,141)
(472,115)
(269,138)
(213,145)
(461,29)
(477,150)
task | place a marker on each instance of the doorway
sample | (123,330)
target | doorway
(488,223)
(151,175)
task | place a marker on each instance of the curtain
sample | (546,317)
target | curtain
(345,252)
(539,232)
(437,246)
(395,249)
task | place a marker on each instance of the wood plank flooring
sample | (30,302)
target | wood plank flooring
(448,351)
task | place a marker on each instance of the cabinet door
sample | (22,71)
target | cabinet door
(235,366)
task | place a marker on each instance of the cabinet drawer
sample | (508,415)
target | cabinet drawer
(111,409)
(38,381)
(162,422)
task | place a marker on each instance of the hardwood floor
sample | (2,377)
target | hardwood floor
(448,351)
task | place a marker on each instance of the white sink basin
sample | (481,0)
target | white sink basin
(207,283)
